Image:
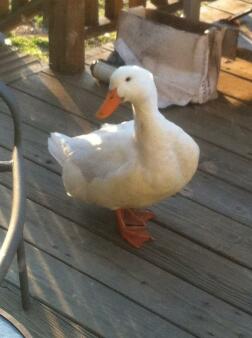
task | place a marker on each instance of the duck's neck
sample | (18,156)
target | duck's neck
(148,126)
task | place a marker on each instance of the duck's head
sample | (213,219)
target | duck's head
(128,84)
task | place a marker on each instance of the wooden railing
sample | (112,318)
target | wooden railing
(70,22)
(13,12)
(67,19)
(96,24)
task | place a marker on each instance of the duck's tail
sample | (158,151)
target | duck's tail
(58,146)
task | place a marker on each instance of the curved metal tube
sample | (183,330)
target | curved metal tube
(14,234)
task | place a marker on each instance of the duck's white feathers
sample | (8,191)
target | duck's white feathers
(107,167)
(133,164)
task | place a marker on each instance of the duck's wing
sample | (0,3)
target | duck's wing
(101,152)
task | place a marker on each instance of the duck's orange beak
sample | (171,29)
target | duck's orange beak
(110,104)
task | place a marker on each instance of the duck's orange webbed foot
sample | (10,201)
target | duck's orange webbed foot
(132,226)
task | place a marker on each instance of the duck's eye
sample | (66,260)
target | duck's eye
(128,79)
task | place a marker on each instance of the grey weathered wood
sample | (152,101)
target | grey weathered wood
(46,117)
(5,52)
(14,66)
(235,111)
(18,73)
(68,97)
(214,160)
(221,197)
(192,118)
(16,63)
(195,222)
(225,165)
(88,301)
(40,320)
(214,272)
(209,228)
(101,259)
(12,57)
(213,129)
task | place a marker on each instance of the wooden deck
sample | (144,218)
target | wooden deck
(194,280)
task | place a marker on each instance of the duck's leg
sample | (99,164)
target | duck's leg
(134,232)
(137,216)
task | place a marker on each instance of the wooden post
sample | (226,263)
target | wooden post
(135,3)
(4,7)
(192,9)
(66,35)
(113,8)
(91,12)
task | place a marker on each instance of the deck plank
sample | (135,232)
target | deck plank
(91,303)
(231,6)
(210,14)
(192,118)
(35,143)
(100,259)
(235,111)
(195,279)
(36,180)
(46,189)
(14,65)
(47,118)
(235,87)
(62,95)
(214,160)
(220,196)
(40,320)
(239,67)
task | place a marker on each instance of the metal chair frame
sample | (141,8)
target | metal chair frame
(14,241)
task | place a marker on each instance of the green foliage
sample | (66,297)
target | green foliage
(38,46)
(38,21)
(32,45)
(101,7)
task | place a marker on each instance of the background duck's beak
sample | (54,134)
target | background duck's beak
(110,104)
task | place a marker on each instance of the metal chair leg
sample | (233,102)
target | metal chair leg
(23,277)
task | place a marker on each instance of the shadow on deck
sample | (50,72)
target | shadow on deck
(194,280)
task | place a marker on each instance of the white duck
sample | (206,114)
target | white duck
(131,165)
